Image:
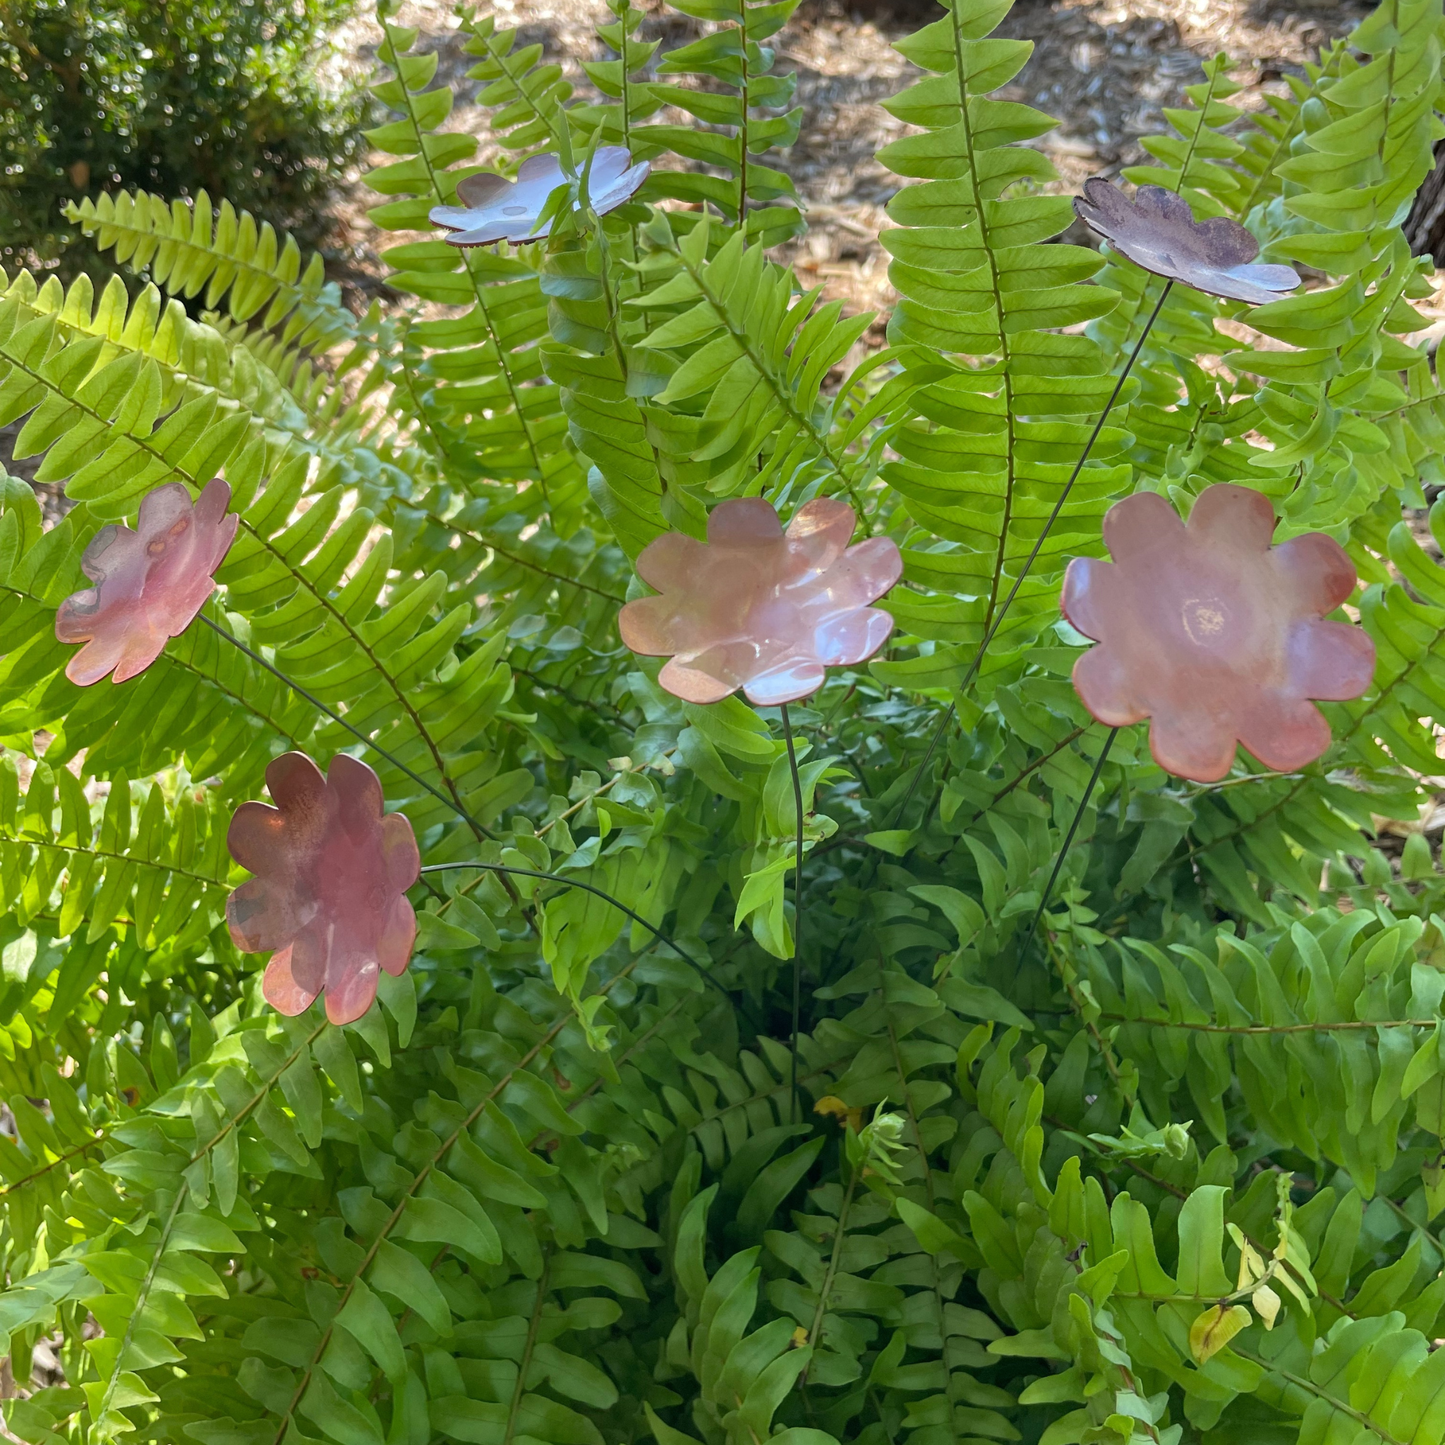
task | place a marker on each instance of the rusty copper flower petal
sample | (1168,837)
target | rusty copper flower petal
(495,209)
(328,901)
(1213,634)
(150,583)
(759,608)
(1157,231)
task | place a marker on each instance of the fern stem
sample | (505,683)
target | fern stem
(356,732)
(815,1334)
(1068,486)
(411,1190)
(997,622)
(507,871)
(1303,1382)
(1337,1026)
(525,1363)
(797,918)
(1068,843)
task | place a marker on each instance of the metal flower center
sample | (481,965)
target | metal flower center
(1205,619)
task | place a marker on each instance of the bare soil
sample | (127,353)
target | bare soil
(1106,71)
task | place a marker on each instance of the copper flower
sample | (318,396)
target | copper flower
(757,608)
(1157,231)
(1215,635)
(496,209)
(329,898)
(150,583)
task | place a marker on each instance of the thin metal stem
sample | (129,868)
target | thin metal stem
(797,917)
(354,731)
(621,907)
(997,622)
(1068,843)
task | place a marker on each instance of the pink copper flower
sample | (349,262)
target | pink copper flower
(329,898)
(757,608)
(495,209)
(1213,634)
(1157,230)
(150,583)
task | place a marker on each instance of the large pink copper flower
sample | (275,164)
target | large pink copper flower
(329,898)
(150,583)
(1213,634)
(1157,230)
(757,608)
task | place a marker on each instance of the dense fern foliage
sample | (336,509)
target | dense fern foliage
(1169,1169)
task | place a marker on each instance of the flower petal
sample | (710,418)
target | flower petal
(1236,518)
(92,560)
(1284,733)
(256,837)
(1317,570)
(296,784)
(863,573)
(261,915)
(398,937)
(1106,688)
(139,648)
(281,990)
(1257,284)
(76,617)
(743,522)
(652,626)
(693,685)
(1140,524)
(1090,595)
(356,794)
(851,637)
(669,562)
(162,509)
(398,848)
(349,991)
(799,678)
(1331,661)
(477,192)
(818,534)
(98,657)
(1194,743)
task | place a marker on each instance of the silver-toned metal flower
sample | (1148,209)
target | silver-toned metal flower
(495,209)
(1157,230)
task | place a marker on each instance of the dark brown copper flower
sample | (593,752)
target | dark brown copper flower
(757,608)
(1213,634)
(150,583)
(1157,230)
(495,209)
(328,901)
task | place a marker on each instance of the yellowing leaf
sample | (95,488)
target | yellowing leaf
(1266,1301)
(830,1105)
(1251,1266)
(1214,1329)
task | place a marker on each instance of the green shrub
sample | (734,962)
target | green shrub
(175,96)
(555,1186)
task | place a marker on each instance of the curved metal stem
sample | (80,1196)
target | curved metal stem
(1068,843)
(797,917)
(506,870)
(992,630)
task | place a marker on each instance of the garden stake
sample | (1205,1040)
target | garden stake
(1068,843)
(1002,612)
(797,916)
